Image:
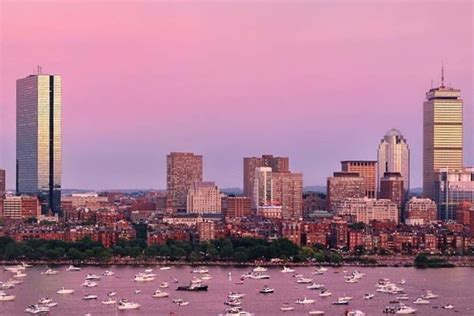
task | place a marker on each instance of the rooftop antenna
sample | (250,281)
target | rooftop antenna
(442,74)
(38,70)
(431,83)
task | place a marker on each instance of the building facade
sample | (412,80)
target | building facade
(393,155)
(287,190)
(263,187)
(344,185)
(367,169)
(442,134)
(38,139)
(392,188)
(21,207)
(277,164)
(420,211)
(182,170)
(3,186)
(366,210)
(452,187)
(238,206)
(204,197)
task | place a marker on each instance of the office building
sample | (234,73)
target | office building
(38,139)
(442,134)
(367,169)
(204,197)
(452,187)
(238,206)
(277,164)
(366,210)
(420,211)
(3,186)
(287,190)
(344,185)
(21,207)
(392,188)
(393,155)
(182,170)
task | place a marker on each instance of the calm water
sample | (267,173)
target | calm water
(453,285)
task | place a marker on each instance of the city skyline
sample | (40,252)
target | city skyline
(129,150)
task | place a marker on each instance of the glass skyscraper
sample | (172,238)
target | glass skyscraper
(38,139)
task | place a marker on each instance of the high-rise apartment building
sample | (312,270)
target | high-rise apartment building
(287,190)
(392,188)
(344,185)
(442,134)
(393,155)
(452,187)
(38,139)
(3,188)
(238,206)
(263,187)
(182,170)
(204,197)
(367,169)
(277,164)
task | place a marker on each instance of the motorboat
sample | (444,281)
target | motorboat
(37,309)
(180,302)
(448,306)
(165,268)
(92,277)
(403,297)
(421,301)
(65,291)
(111,294)
(20,274)
(50,272)
(206,277)
(405,310)
(143,278)
(108,273)
(4,297)
(325,293)
(50,304)
(236,312)
(305,301)
(235,295)
(7,285)
(304,280)
(73,268)
(137,291)
(175,280)
(109,301)
(402,281)
(233,302)
(192,287)
(255,276)
(298,275)
(368,296)
(164,285)
(315,286)
(89,284)
(430,295)
(260,269)
(351,280)
(287,270)
(286,307)
(201,270)
(266,290)
(148,270)
(45,300)
(159,294)
(126,305)
(89,297)
(347,298)
(318,313)
(354,312)
(341,301)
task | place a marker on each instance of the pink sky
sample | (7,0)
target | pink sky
(319,81)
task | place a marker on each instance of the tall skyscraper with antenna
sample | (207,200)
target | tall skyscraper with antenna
(442,133)
(38,138)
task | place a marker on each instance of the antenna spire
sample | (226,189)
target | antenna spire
(442,74)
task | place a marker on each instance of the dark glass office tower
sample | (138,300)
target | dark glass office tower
(38,139)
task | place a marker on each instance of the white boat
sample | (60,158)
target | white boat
(180,302)
(235,295)
(143,278)
(89,297)
(346,298)
(232,312)
(315,286)
(403,297)
(6,285)
(159,294)
(405,310)
(50,304)
(355,312)
(4,297)
(201,270)
(37,309)
(287,270)
(89,284)
(92,277)
(421,301)
(14,281)
(65,291)
(430,295)
(49,272)
(206,277)
(73,268)
(325,293)
(402,281)
(305,301)
(298,275)
(368,296)
(304,280)
(165,268)
(148,270)
(234,302)
(109,301)
(318,313)
(126,305)
(266,290)
(45,300)
(341,301)
(448,306)
(260,269)
(137,291)
(286,307)
(164,285)
(108,273)
(20,274)
(111,294)
(351,280)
